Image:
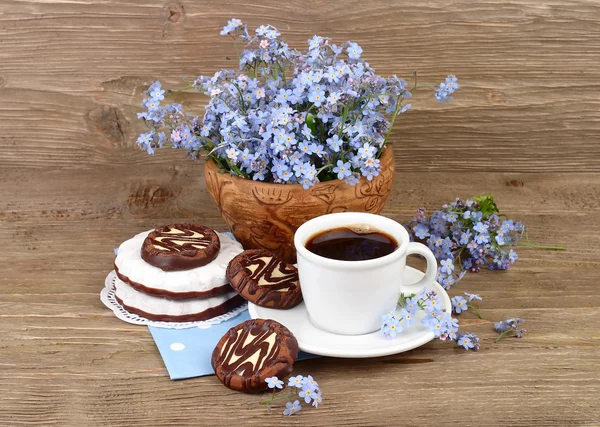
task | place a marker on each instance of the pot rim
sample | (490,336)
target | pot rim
(210,163)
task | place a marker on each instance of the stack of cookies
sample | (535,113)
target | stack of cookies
(176,273)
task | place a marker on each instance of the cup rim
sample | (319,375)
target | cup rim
(352,265)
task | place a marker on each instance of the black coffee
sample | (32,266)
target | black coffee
(351,244)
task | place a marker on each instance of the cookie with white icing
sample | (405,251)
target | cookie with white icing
(180,247)
(166,310)
(253,351)
(265,279)
(200,282)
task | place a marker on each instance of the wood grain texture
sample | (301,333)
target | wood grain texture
(525,126)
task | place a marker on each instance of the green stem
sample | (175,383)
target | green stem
(219,162)
(530,245)
(267,401)
(235,168)
(472,307)
(323,168)
(457,257)
(362,108)
(344,117)
(310,108)
(282,69)
(398,106)
(415,85)
(236,45)
(170,91)
(241,97)
(503,334)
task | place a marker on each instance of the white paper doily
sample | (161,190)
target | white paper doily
(107,296)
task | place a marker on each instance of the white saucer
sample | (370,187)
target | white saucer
(317,341)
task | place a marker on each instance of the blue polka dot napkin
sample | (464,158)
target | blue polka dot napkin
(187,352)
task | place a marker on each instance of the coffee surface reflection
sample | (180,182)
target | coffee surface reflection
(353,243)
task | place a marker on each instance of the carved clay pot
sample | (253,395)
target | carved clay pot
(266,215)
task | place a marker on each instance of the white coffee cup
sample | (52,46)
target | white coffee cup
(349,297)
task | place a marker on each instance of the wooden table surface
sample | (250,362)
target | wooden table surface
(525,126)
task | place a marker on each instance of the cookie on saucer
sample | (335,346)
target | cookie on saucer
(264,279)
(253,351)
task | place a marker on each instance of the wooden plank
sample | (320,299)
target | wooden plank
(525,382)
(526,104)
(61,345)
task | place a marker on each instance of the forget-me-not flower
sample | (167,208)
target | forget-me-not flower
(292,408)
(274,382)
(459,304)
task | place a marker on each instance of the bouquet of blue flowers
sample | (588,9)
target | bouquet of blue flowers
(287,116)
(469,233)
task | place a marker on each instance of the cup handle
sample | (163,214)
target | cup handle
(431,271)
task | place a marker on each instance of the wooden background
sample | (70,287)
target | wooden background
(525,126)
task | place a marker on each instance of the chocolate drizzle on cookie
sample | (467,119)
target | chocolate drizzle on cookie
(249,350)
(265,279)
(253,351)
(268,270)
(181,240)
(180,247)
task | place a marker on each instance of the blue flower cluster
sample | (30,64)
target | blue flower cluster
(437,320)
(305,387)
(468,234)
(287,116)
(446,89)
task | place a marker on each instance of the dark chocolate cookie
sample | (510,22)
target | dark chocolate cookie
(265,279)
(253,351)
(180,247)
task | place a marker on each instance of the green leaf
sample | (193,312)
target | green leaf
(310,122)
(487,206)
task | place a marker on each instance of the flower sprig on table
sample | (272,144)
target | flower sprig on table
(437,320)
(467,235)
(287,116)
(509,326)
(461,304)
(306,388)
